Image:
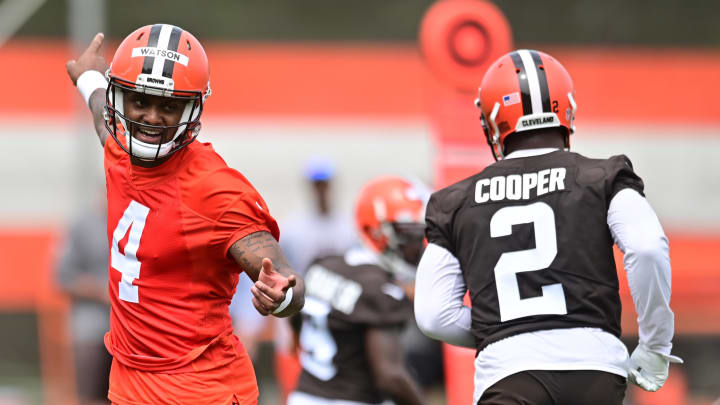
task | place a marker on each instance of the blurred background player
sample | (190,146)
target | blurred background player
(317,231)
(531,238)
(183,225)
(82,274)
(356,305)
(320,230)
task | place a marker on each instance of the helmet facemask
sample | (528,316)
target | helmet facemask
(405,244)
(492,132)
(389,215)
(185,131)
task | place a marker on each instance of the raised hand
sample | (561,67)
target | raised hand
(90,59)
(271,288)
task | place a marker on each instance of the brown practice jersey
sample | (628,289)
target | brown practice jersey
(533,243)
(342,302)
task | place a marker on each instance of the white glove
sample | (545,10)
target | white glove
(649,370)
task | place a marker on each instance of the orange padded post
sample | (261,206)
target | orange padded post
(459,39)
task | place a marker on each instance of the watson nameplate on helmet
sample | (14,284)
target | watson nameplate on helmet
(160,53)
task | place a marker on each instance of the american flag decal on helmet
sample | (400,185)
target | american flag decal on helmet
(510,99)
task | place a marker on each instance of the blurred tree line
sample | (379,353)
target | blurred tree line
(576,22)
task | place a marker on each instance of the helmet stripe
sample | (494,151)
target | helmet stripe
(532,80)
(173,43)
(152,42)
(542,81)
(523,83)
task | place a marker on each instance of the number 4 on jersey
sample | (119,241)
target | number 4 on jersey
(133,219)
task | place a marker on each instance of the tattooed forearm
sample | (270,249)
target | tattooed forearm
(249,251)
(259,240)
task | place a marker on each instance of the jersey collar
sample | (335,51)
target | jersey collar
(530,152)
(144,177)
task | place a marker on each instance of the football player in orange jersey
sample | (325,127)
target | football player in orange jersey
(182,225)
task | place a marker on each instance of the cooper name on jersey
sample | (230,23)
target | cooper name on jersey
(520,186)
(338,291)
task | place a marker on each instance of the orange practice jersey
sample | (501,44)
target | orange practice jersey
(171,281)
(231,384)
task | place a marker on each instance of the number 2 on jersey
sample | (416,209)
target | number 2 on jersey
(552,300)
(133,219)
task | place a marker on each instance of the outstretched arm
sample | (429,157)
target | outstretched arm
(87,73)
(260,256)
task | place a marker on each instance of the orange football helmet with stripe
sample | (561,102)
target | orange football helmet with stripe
(390,218)
(160,60)
(522,91)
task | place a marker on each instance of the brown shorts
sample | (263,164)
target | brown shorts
(542,387)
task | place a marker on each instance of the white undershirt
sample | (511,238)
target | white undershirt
(440,313)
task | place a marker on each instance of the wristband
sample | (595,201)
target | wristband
(88,82)
(285,303)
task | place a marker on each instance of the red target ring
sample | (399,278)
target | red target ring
(460,38)
(467,43)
